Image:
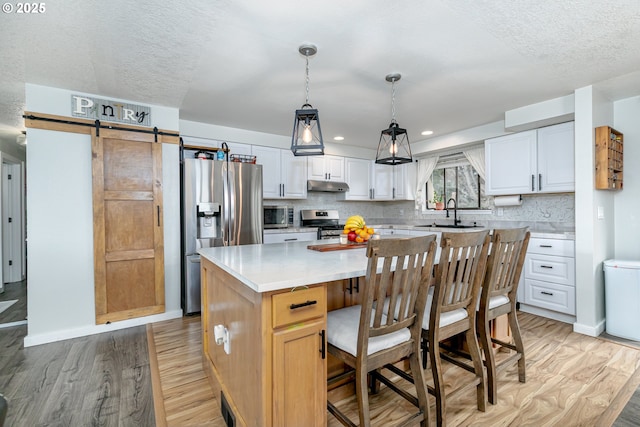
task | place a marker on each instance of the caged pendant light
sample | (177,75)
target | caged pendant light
(393,148)
(307,135)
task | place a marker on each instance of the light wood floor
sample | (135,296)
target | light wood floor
(572,380)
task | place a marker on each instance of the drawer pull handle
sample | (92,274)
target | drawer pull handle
(546,293)
(291,240)
(302,304)
(546,246)
(546,266)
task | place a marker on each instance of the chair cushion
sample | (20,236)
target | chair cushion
(342,332)
(445,318)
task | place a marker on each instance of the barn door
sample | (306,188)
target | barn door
(127,224)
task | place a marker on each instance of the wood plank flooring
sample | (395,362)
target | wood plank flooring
(105,380)
(99,380)
(18,311)
(572,380)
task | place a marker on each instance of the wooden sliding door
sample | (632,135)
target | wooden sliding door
(127,223)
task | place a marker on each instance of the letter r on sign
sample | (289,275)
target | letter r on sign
(81,104)
(128,115)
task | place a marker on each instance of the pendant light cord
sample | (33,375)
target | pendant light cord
(307,81)
(393,101)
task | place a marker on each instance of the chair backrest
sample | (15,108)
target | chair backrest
(459,273)
(505,262)
(398,269)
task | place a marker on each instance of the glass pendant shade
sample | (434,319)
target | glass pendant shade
(307,134)
(393,148)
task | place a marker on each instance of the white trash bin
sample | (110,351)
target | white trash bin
(622,298)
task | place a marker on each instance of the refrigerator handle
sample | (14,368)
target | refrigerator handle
(231,199)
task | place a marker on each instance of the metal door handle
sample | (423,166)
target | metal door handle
(533,182)
(539,182)
(158,209)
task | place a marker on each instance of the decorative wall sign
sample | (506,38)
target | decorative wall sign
(110,111)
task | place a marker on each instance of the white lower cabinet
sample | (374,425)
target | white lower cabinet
(303,236)
(549,276)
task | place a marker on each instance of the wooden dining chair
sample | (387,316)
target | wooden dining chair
(369,336)
(498,297)
(451,311)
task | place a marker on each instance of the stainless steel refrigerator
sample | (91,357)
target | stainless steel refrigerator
(221,206)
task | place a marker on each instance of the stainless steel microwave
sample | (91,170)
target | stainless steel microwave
(278,216)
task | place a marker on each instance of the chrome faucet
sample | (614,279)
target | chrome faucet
(456,221)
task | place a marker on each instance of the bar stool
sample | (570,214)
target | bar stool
(498,297)
(369,336)
(451,311)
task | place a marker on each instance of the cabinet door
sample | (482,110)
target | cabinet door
(237,148)
(269,158)
(316,168)
(404,181)
(556,158)
(511,164)
(382,182)
(357,176)
(299,376)
(294,175)
(334,166)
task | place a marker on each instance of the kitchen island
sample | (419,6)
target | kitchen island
(273,300)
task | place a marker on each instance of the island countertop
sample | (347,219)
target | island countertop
(277,266)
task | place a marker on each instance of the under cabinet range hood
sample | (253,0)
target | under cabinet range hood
(328,186)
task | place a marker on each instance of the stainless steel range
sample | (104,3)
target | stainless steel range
(327,221)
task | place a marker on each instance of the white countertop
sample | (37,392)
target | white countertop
(291,230)
(265,268)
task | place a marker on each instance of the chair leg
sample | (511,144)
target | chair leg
(517,338)
(489,357)
(438,382)
(421,388)
(362,395)
(476,357)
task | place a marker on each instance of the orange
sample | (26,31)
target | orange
(359,239)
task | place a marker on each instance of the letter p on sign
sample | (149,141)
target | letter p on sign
(82,104)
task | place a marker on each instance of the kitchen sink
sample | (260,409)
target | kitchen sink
(447,226)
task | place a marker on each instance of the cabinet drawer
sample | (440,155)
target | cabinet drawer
(297,306)
(558,247)
(554,269)
(551,296)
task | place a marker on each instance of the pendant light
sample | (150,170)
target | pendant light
(393,148)
(307,135)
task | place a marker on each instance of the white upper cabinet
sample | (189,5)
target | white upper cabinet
(534,161)
(556,167)
(393,182)
(284,176)
(358,175)
(326,168)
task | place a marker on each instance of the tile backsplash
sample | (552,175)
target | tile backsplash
(548,212)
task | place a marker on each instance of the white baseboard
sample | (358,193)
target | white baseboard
(592,331)
(550,314)
(31,340)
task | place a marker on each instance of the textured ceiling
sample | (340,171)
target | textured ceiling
(236,63)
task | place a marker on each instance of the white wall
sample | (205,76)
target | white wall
(60,280)
(627,202)
(594,238)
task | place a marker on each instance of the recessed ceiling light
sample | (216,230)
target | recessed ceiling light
(427,132)
(338,138)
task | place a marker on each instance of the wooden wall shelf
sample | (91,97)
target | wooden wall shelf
(609,158)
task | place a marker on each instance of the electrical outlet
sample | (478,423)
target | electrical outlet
(600,212)
(500,211)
